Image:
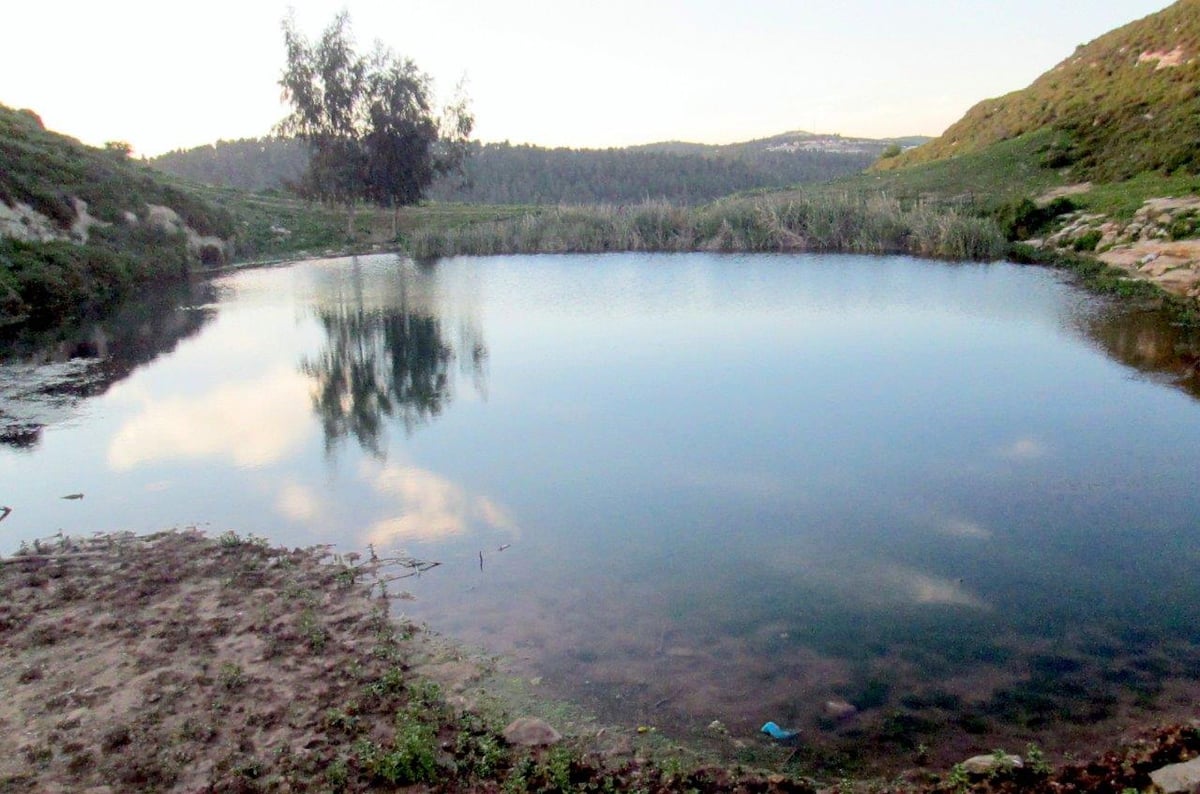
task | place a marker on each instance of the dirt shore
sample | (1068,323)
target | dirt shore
(176,662)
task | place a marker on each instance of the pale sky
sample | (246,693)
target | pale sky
(164,75)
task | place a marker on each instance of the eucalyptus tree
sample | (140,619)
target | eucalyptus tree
(368,120)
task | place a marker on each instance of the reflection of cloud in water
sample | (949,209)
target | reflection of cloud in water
(298,503)
(252,423)
(921,588)
(1024,448)
(960,528)
(870,583)
(431,506)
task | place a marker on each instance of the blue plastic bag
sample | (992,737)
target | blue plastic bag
(775,732)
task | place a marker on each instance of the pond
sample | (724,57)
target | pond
(960,498)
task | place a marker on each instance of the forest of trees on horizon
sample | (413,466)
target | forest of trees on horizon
(504,173)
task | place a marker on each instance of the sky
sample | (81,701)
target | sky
(582,73)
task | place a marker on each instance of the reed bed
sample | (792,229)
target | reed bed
(850,224)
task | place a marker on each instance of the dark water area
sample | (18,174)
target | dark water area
(45,373)
(681,488)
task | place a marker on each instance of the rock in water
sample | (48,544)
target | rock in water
(531,732)
(1178,778)
(839,709)
(986,764)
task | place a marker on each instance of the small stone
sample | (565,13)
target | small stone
(1178,778)
(986,764)
(840,709)
(73,719)
(716,726)
(531,732)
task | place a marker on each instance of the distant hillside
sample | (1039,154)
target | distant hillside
(81,226)
(794,141)
(255,164)
(501,173)
(1124,104)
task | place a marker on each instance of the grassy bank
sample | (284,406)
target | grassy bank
(1103,279)
(273,225)
(96,202)
(802,222)
(175,662)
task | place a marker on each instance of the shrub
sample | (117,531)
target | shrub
(1087,241)
(1184,226)
(412,758)
(1023,219)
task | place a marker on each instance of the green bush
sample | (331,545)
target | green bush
(56,281)
(1087,241)
(1023,219)
(412,758)
(1185,225)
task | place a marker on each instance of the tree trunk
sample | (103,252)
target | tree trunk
(350,209)
(395,221)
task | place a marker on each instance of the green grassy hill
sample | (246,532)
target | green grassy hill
(1095,165)
(81,226)
(1124,104)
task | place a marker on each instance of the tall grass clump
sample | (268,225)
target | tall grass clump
(951,234)
(846,223)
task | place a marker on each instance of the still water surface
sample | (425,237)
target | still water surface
(729,487)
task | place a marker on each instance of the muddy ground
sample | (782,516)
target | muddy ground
(178,662)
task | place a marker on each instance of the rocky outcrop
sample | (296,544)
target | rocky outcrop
(208,249)
(531,732)
(1160,244)
(981,765)
(1178,778)
(1165,59)
(23,222)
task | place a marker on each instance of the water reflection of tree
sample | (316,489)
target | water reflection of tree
(379,364)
